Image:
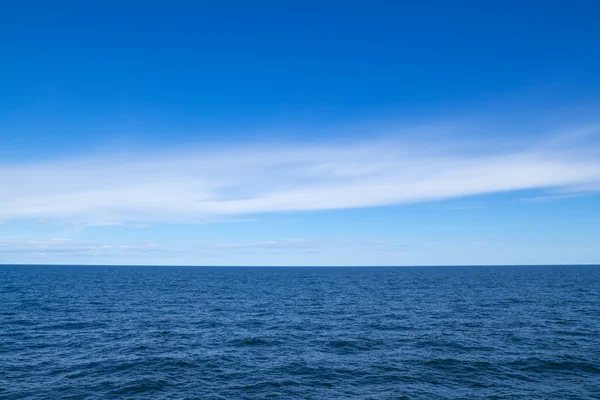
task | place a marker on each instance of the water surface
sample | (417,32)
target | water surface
(306,333)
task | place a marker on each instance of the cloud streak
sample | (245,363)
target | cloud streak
(74,247)
(200,184)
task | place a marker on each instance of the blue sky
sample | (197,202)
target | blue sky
(300,133)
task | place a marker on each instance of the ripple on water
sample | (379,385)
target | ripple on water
(305,333)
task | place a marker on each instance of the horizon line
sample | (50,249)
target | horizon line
(303,266)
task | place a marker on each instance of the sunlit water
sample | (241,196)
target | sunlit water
(304,333)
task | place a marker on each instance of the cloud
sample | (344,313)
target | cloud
(206,184)
(552,197)
(195,252)
(71,247)
(267,244)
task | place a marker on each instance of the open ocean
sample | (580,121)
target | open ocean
(108,332)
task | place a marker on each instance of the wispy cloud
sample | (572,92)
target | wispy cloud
(72,247)
(196,185)
(553,197)
(567,192)
(196,251)
(267,244)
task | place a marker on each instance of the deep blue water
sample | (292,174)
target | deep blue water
(299,333)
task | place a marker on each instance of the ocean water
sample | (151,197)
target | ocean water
(70,332)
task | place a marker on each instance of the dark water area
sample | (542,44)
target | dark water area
(70,332)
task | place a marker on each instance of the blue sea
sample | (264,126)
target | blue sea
(111,332)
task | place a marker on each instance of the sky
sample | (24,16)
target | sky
(306,133)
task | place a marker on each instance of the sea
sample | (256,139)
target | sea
(126,332)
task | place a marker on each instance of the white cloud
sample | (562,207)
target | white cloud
(553,197)
(196,251)
(267,244)
(196,185)
(73,247)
